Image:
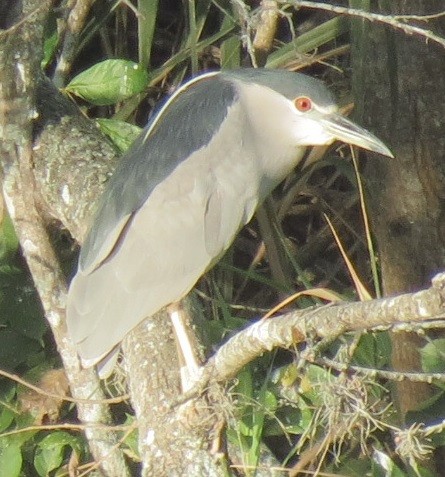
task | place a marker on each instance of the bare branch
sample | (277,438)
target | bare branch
(326,322)
(20,56)
(265,30)
(383,374)
(73,27)
(391,20)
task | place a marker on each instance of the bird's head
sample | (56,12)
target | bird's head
(322,125)
(302,108)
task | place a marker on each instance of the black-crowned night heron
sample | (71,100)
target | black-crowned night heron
(192,179)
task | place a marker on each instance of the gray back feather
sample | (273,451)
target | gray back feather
(188,124)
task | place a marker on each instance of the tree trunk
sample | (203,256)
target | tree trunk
(399,86)
(55,164)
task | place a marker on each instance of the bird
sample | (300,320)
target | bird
(192,179)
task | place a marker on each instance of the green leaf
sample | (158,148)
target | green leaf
(310,383)
(8,239)
(20,308)
(51,40)
(15,348)
(373,351)
(308,41)
(121,133)
(289,419)
(6,418)
(10,458)
(51,451)
(148,11)
(109,82)
(384,461)
(433,356)
(231,53)
(131,440)
(269,401)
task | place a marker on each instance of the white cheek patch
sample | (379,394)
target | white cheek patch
(307,129)
(309,132)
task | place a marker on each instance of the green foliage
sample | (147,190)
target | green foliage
(8,240)
(130,439)
(13,452)
(22,336)
(51,41)
(109,82)
(10,457)
(309,41)
(275,397)
(52,449)
(433,356)
(148,10)
(121,133)
(254,405)
(22,327)
(374,351)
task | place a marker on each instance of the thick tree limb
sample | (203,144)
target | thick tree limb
(173,442)
(20,51)
(326,322)
(71,161)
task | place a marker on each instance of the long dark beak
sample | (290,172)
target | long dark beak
(345,130)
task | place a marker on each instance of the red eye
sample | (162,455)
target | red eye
(303,104)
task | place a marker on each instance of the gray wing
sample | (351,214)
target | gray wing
(185,125)
(161,222)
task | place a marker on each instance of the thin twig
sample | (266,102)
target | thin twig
(60,397)
(316,323)
(74,25)
(391,20)
(69,427)
(384,374)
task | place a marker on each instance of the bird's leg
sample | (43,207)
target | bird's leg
(187,356)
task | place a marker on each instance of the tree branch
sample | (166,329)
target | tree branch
(326,322)
(74,24)
(71,163)
(20,52)
(392,20)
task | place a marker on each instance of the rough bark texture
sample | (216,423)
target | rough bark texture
(20,53)
(399,85)
(72,160)
(173,441)
(324,322)
(55,164)
(63,172)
